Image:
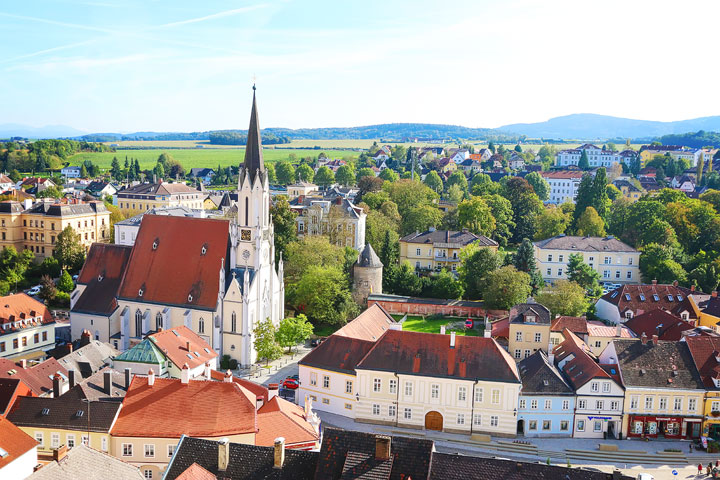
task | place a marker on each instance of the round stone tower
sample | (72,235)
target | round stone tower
(367,275)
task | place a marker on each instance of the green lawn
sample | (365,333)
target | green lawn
(324,330)
(201,157)
(416,323)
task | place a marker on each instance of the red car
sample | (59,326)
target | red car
(469,323)
(291,383)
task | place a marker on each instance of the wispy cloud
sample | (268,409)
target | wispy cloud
(57,23)
(226,13)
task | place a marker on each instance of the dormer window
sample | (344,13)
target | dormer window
(642,297)
(100,278)
(203,250)
(156,243)
(656,298)
(627,297)
(530,318)
(670,298)
(190,297)
(680,298)
(140,292)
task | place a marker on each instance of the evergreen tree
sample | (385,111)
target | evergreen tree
(600,197)
(584,197)
(137,169)
(491,147)
(584,163)
(524,261)
(115,169)
(518,148)
(83,171)
(700,166)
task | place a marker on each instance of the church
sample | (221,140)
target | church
(217,277)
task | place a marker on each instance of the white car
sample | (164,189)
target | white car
(34,290)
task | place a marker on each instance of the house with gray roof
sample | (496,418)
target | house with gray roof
(335,217)
(88,464)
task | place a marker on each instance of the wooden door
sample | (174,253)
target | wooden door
(434,421)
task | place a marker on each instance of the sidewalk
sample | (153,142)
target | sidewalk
(277,370)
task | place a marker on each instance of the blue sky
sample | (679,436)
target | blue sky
(135,65)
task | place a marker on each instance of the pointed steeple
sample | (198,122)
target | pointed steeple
(253,148)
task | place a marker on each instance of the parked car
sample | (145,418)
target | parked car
(469,323)
(291,383)
(316,341)
(34,290)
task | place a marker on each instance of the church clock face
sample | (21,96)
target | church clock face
(245,235)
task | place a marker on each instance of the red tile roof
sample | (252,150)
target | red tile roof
(562,174)
(38,378)
(280,417)
(169,409)
(640,298)
(704,352)
(577,325)
(599,329)
(101,274)
(14,441)
(259,391)
(369,325)
(500,328)
(658,322)
(22,307)
(337,353)
(196,472)
(168,264)
(581,366)
(10,389)
(173,343)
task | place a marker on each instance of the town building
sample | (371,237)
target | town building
(614,260)
(563,185)
(546,404)
(126,230)
(37,227)
(18,451)
(627,301)
(10,390)
(529,330)
(429,381)
(101,189)
(684,183)
(27,329)
(301,188)
(597,156)
(87,463)
(91,357)
(205,175)
(648,152)
(401,305)
(72,171)
(366,275)
(630,190)
(577,325)
(664,393)
(47,378)
(437,249)
(661,323)
(705,352)
(598,389)
(599,335)
(334,217)
(144,196)
(35,185)
(470,166)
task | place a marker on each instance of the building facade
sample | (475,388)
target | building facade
(26,327)
(334,217)
(563,185)
(597,156)
(438,249)
(145,196)
(529,330)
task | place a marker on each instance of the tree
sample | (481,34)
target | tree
(83,171)
(502,212)
(433,181)
(564,298)
(457,178)
(324,176)
(408,194)
(285,173)
(270,169)
(475,215)
(600,199)
(68,250)
(524,261)
(345,176)
(389,175)
(525,205)
(284,224)
(65,283)
(443,285)
(584,163)
(293,330)
(700,166)
(406,281)
(475,263)
(583,274)
(551,222)
(657,262)
(265,344)
(539,184)
(322,293)
(491,147)
(14,175)
(370,183)
(506,287)
(584,197)
(365,172)
(48,291)
(590,224)
(454,194)
(518,148)
(159,172)
(304,173)
(115,169)
(51,192)
(419,219)
(712,197)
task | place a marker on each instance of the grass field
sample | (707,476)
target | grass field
(201,157)
(416,323)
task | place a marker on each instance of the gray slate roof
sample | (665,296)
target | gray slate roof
(539,376)
(652,365)
(88,464)
(449,236)
(64,210)
(521,310)
(368,258)
(89,359)
(585,244)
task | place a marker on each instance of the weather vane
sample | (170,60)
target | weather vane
(254,78)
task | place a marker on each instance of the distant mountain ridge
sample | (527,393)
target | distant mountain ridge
(8,130)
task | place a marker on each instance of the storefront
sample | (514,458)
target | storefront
(664,427)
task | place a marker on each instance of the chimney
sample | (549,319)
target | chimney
(69,347)
(692,288)
(207,371)
(59,452)
(187,346)
(654,340)
(107,382)
(308,408)
(643,338)
(487,333)
(84,338)
(675,283)
(56,385)
(127,379)
(71,378)
(279,452)
(272,390)
(714,293)
(382,447)
(185,374)
(228,376)
(223,454)
(151,377)
(618,330)
(23,363)
(442,329)
(654,282)
(452,339)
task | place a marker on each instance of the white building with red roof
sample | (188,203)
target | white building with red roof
(18,451)
(26,327)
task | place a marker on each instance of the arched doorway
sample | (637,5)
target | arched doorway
(434,421)
(521,427)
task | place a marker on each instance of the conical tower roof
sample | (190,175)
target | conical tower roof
(253,149)
(368,258)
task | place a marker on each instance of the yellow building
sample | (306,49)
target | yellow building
(145,196)
(37,227)
(704,351)
(629,190)
(529,330)
(648,152)
(438,249)
(704,309)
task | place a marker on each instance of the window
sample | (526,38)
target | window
(15,343)
(495,397)
(606,387)
(149,450)
(606,273)
(39,438)
(103,444)
(54,440)
(663,403)
(548,404)
(376,409)
(527,353)
(564,425)
(477,419)
(630,262)
(614,405)
(580,426)
(326,381)
(648,403)
(408,414)
(634,402)
(518,353)
(148,474)
(478,395)
(715,406)
(434,390)
(170,450)
(518,336)
(599,404)
(392,386)
(549,272)
(461,419)
(560,258)
(70,440)
(538,337)
(417,252)
(348,406)
(408,389)
(677,403)
(560,270)
(493,421)
(546,424)
(617,274)
(377,384)
(597,426)
(326,401)
(566,404)
(462,394)
(582,404)
(533,404)
(549,258)
(313,378)
(532,425)
(392,410)
(348,386)
(595,387)
(522,404)
(692,404)
(608,260)
(201,323)
(233,322)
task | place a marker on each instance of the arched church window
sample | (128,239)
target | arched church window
(159,321)
(246,210)
(201,326)
(233,322)
(138,324)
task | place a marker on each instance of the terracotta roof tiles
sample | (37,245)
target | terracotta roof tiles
(338,354)
(577,325)
(369,325)
(101,274)
(705,352)
(658,322)
(14,441)
(173,343)
(642,298)
(578,363)
(38,377)
(280,417)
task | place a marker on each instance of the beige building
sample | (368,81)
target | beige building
(600,335)
(301,188)
(438,382)
(337,218)
(27,329)
(145,196)
(37,227)
(614,260)
(529,330)
(438,249)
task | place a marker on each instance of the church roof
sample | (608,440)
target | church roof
(253,148)
(368,258)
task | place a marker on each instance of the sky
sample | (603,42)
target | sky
(188,65)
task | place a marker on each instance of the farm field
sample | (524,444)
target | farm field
(200,158)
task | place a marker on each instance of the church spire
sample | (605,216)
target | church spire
(253,148)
